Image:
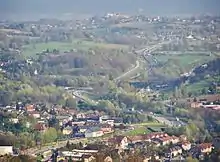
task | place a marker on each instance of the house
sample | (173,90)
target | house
(106,128)
(40,127)
(156,135)
(6,150)
(109,121)
(205,148)
(35,114)
(83,128)
(174,140)
(147,137)
(88,158)
(174,151)
(182,138)
(67,131)
(29,108)
(80,116)
(135,139)
(195,105)
(108,159)
(186,146)
(118,121)
(94,132)
(77,156)
(80,123)
(156,143)
(164,140)
(72,111)
(14,120)
(148,158)
(121,142)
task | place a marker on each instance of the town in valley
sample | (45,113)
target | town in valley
(110,87)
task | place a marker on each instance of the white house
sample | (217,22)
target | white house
(14,120)
(6,150)
(94,132)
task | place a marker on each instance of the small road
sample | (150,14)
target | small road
(36,151)
(78,94)
(128,72)
(143,53)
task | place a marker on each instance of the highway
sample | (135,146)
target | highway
(78,94)
(128,72)
(141,52)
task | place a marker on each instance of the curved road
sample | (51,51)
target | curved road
(142,52)
(128,72)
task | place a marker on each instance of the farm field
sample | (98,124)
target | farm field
(32,49)
(138,131)
(198,87)
(143,128)
(150,124)
(175,65)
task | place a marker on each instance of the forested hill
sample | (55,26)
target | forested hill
(211,68)
(208,70)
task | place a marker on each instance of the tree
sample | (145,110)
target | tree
(204,91)
(5,98)
(108,106)
(110,77)
(190,159)
(192,131)
(53,122)
(68,145)
(50,135)
(177,93)
(70,102)
(70,159)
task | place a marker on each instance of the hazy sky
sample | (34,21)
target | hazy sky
(150,7)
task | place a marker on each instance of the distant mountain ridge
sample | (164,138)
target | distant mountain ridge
(150,7)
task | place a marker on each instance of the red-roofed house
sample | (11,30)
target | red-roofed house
(167,140)
(106,128)
(147,137)
(196,105)
(175,140)
(135,139)
(186,145)
(35,114)
(121,142)
(29,108)
(205,148)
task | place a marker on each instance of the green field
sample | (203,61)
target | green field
(199,86)
(31,50)
(175,65)
(141,128)
(138,131)
(186,59)
(150,124)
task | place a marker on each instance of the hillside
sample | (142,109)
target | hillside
(206,78)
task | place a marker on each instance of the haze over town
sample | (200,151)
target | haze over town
(54,8)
